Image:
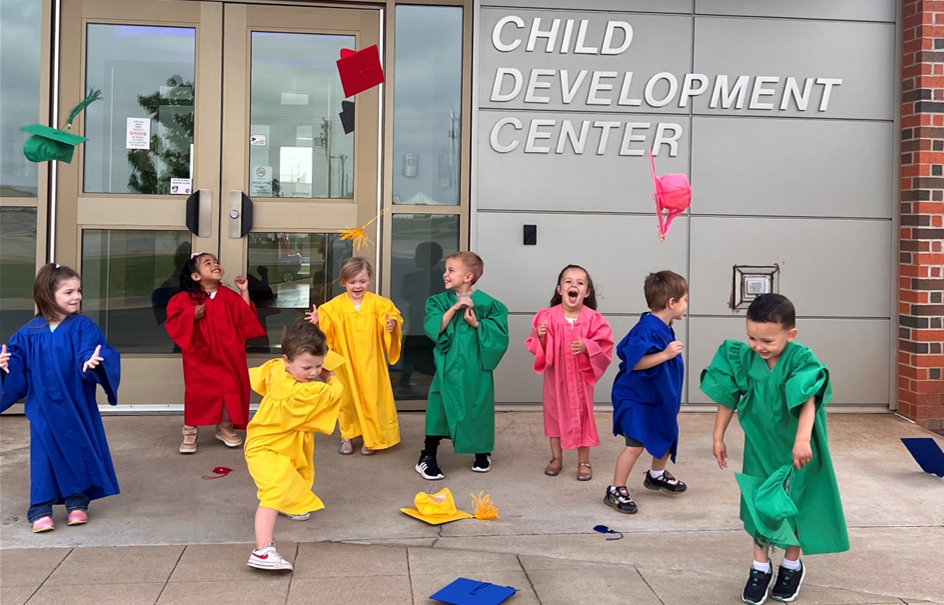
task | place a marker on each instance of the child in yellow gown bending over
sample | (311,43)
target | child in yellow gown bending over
(280,440)
(365,329)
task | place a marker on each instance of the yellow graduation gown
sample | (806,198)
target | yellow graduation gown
(367,405)
(280,440)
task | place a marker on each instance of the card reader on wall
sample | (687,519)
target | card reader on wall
(530,235)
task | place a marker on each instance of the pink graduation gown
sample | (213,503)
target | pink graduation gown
(569,378)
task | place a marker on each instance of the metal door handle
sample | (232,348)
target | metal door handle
(240,214)
(199,205)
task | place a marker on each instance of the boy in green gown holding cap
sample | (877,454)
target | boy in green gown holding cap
(790,499)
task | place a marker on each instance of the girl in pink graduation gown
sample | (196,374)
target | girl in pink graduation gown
(573,345)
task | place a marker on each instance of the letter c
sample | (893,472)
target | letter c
(496,33)
(493,137)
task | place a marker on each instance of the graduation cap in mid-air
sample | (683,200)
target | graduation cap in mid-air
(770,507)
(49,143)
(360,70)
(927,453)
(472,592)
(673,194)
(347,116)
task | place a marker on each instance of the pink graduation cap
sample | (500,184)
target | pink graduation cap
(360,70)
(673,193)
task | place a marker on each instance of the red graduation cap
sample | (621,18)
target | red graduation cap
(360,70)
(672,193)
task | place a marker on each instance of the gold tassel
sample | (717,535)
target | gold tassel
(484,509)
(357,236)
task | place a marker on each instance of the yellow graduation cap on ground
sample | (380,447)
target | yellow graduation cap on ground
(49,143)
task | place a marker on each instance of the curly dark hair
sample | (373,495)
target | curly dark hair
(187,284)
(589,301)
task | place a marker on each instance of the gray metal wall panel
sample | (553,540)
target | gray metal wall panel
(617,251)
(567,181)
(517,382)
(839,268)
(862,54)
(656,6)
(842,10)
(739,163)
(857,351)
(660,43)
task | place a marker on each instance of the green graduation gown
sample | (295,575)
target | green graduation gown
(462,396)
(768,404)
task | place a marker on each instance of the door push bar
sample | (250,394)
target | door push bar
(199,205)
(240,214)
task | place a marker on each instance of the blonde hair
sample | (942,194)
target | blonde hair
(472,262)
(352,266)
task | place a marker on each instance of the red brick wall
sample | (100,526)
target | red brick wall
(921,243)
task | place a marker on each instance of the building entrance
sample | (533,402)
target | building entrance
(219,131)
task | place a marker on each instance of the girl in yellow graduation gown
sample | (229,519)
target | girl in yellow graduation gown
(366,329)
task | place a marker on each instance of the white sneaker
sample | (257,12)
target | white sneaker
(301,517)
(269,559)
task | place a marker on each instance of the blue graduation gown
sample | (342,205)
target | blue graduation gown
(646,403)
(68,450)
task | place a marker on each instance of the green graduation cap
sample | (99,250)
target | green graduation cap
(52,144)
(770,507)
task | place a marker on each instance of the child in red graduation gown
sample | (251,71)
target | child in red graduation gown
(211,324)
(55,361)
(573,345)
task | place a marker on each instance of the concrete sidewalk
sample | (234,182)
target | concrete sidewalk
(173,537)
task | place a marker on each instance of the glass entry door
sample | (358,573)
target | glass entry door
(218,131)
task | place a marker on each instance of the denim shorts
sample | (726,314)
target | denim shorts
(630,442)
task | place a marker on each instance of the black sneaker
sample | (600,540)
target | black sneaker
(483,463)
(428,468)
(666,483)
(787,587)
(755,591)
(619,499)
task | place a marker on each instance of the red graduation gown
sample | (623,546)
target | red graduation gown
(214,355)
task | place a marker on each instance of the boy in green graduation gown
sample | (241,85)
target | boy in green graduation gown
(789,496)
(470,332)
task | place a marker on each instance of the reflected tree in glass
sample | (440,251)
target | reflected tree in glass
(172,109)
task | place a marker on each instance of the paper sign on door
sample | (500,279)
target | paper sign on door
(138,133)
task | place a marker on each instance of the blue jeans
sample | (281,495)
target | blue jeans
(79,501)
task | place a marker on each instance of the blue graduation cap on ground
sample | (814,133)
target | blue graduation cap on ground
(472,592)
(927,453)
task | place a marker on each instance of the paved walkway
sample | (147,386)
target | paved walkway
(172,537)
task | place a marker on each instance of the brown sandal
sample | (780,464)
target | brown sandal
(584,476)
(366,451)
(553,471)
(347,448)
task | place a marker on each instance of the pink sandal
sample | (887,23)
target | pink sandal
(43,524)
(78,517)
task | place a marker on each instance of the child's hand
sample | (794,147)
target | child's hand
(312,317)
(199,311)
(720,452)
(464,301)
(578,346)
(542,329)
(4,359)
(391,323)
(242,283)
(674,349)
(802,454)
(326,374)
(470,318)
(94,360)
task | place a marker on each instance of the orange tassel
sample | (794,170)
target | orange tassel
(484,509)
(357,236)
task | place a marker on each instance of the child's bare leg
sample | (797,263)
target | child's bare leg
(761,553)
(225,418)
(659,465)
(265,526)
(583,454)
(557,453)
(792,553)
(557,458)
(624,465)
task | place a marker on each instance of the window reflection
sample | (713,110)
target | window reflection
(427,107)
(289,272)
(128,277)
(141,134)
(19,94)
(17,267)
(419,247)
(297,147)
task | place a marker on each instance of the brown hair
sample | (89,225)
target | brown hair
(352,266)
(48,279)
(590,300)
(472,262)
(663,286)
(303,337)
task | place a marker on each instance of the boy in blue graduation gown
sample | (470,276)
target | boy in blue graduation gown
(647,392)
